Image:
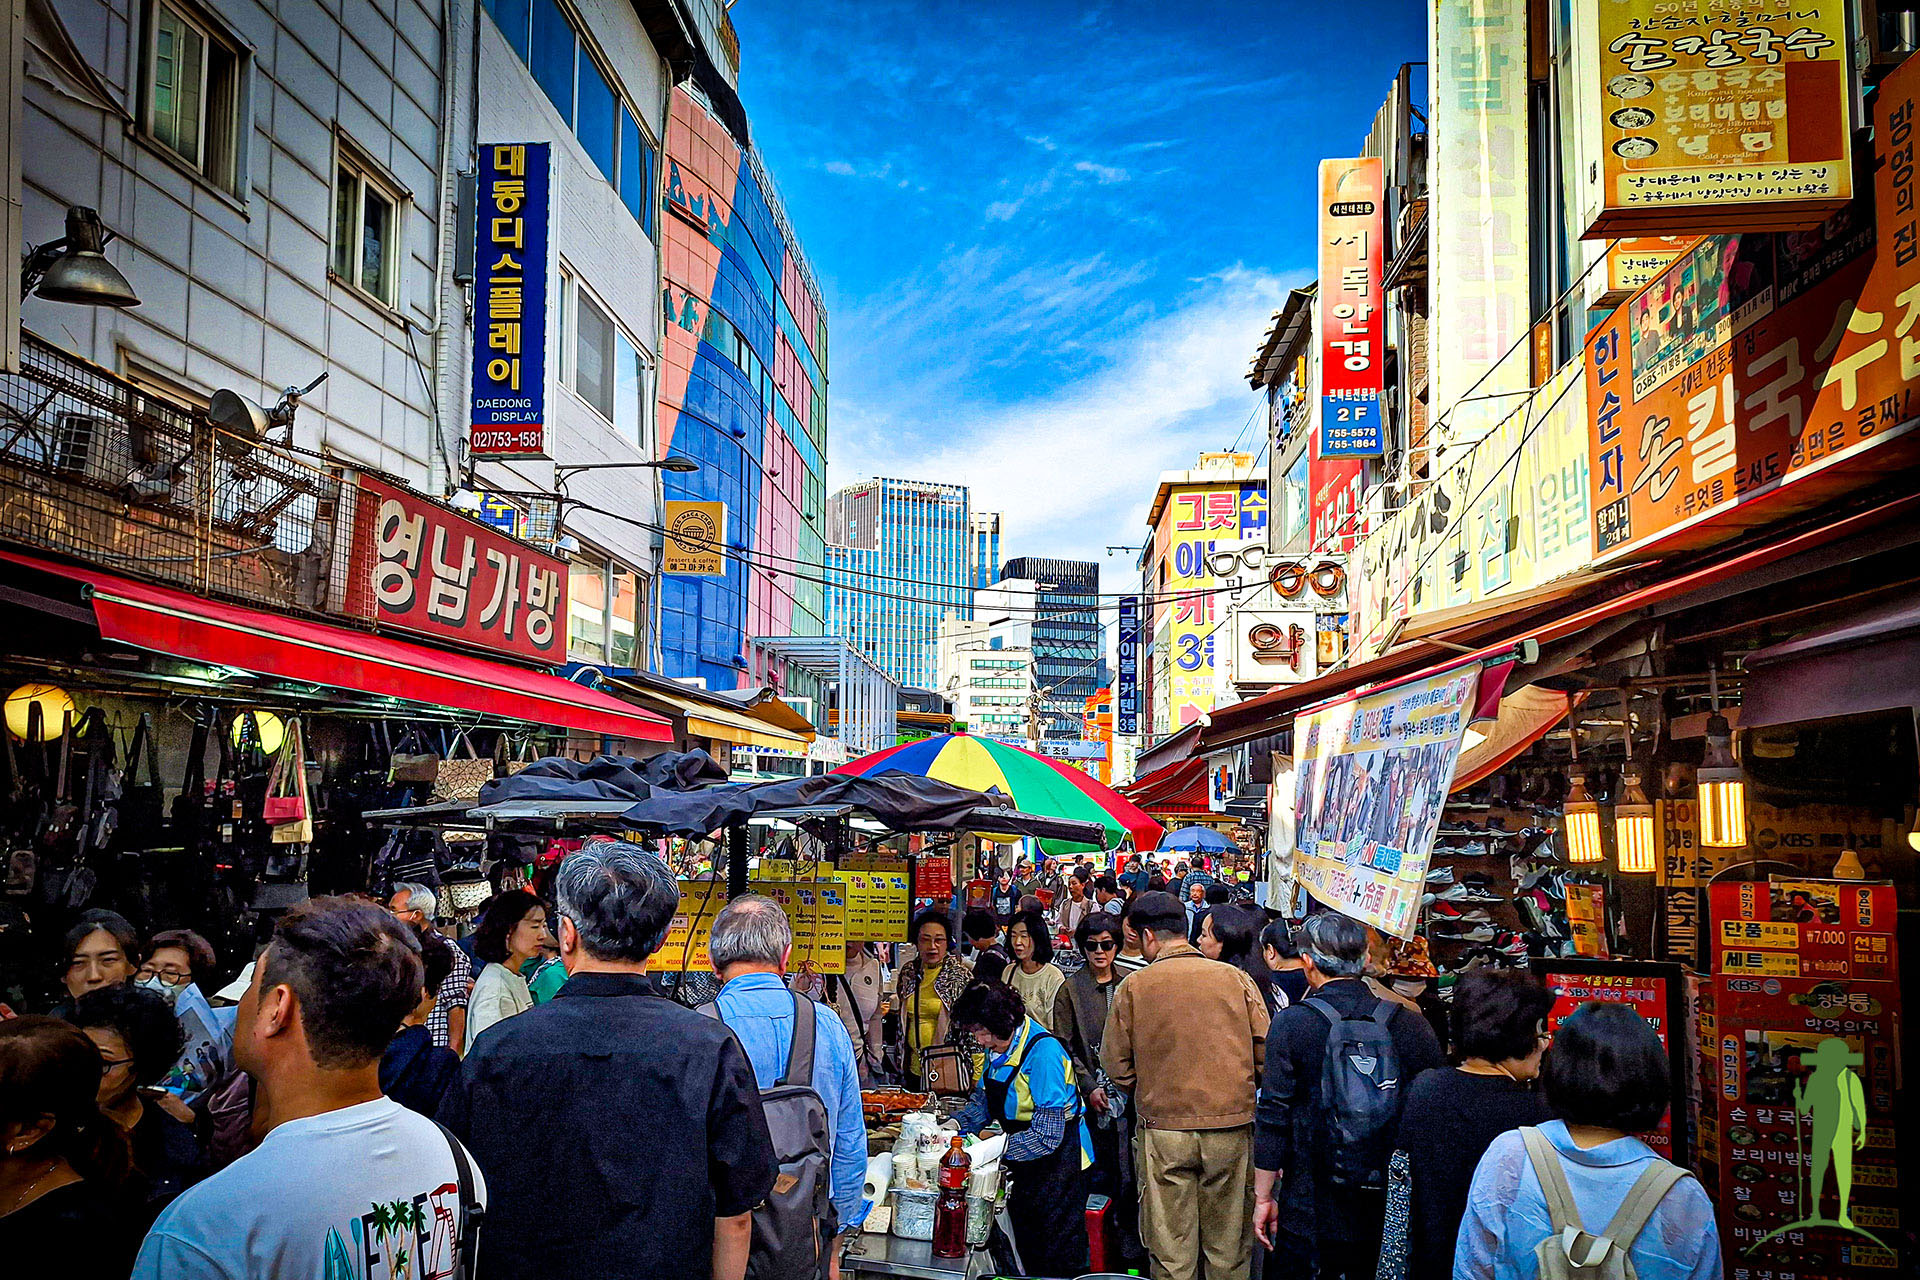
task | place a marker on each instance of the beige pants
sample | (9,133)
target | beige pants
(1196,1202)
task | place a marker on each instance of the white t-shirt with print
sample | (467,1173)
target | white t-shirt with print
(368,1192)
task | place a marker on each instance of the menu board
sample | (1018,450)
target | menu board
(817,911)
(877,904)
(1806,1007)
(1655,991)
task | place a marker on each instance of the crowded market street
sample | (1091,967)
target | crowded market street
(1338,703)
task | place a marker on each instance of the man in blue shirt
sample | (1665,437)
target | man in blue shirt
(751,944)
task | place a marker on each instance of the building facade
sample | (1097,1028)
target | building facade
(899,558)
(986,670)
(743,392)
(1068,638)
(986,548)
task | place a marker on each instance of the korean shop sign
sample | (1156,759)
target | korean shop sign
(422,568)
(1709,118)
(1748,379)
(510,273)
(1126,693)
(1352,328)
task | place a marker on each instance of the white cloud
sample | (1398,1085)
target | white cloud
(1002,210)
(1074,469)
(840,168)
(1104,174)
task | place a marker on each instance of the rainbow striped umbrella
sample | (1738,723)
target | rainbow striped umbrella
(1036,783)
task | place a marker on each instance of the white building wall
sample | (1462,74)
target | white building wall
(236,291)
(600,242)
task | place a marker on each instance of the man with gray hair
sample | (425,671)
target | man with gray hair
(413,903)
(751,945)
(621,1134)
(1313,1209)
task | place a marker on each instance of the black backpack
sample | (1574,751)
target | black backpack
(1360,1095)
(793,1231)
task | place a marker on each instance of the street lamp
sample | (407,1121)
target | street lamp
(674,462)
(73,269)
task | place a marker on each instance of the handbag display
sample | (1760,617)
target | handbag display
(142,806)
(461,777)
(947,1069)
(288,807)
(412,760)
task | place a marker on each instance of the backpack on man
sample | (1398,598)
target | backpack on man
(793,1231)
(1360,1095)
(1574,1253)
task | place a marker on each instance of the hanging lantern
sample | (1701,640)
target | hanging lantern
(1582,819)
(273,730)
(55,704)
(1723,790)
(1633,826)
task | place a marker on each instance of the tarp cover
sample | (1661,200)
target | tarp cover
(900,801)
(605,778)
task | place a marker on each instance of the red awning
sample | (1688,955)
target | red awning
(201,630)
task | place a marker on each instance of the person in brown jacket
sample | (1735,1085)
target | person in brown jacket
(1186,1038)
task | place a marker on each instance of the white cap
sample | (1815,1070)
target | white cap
(238,987)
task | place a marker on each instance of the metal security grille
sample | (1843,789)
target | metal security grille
(96,468)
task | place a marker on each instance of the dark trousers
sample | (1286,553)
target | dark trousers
(1047,1207)
(1358,1257)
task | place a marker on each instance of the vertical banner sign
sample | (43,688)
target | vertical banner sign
(1372,776)
(1352,325)
(1805,1060)
(1714,119)
(420,567)
(510,248)
(1126,697)
(1757,369)
(1477,176)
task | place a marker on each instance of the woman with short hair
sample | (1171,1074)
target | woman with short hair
(1228,933)
(101,950)
(512,931)
(139,1040)
(1607,1078)
(1029,1089)
(1033,973)
(1452,1117)
(925,989)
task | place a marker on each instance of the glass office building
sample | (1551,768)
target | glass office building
(899,557)
(1069,651)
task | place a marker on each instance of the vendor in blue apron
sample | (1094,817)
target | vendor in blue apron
(1028,1088)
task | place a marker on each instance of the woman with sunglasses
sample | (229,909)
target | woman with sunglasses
(1079,1017)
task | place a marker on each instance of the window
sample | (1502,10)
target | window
(587,611)
(366,239)
(623,619)
(636,171)
(597,119)
(553,51)
(631,394)
(593,354)
(194,95)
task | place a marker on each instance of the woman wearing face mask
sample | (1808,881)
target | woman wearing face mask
(139,1040)
(177,959)
(102,950)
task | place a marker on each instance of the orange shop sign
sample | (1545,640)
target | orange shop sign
(1746,381)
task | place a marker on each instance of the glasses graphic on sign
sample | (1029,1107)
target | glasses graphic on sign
(1833,1102)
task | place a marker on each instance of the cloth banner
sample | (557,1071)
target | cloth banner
(1371,779)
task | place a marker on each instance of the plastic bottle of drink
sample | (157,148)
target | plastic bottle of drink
(950,1210)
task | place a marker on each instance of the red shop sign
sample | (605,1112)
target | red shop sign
(422,568)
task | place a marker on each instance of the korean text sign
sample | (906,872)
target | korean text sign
(1126,694)
(696,539)
(420,567)
(1200,520)
(1352,326)
(1372,775)
(510,301)
(1709,115)
(1758,367)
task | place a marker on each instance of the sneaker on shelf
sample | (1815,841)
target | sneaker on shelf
(1440,875)
(1478,933)
(1448,911)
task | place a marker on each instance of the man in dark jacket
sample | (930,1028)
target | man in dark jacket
(1296,1213)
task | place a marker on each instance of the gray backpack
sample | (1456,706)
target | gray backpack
(1574,1253)
(793,1231)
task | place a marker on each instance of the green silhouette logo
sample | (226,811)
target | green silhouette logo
(1832,1099)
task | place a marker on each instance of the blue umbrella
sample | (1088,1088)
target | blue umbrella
(1197,840)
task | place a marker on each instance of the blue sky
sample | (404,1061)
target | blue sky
(1050,235)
